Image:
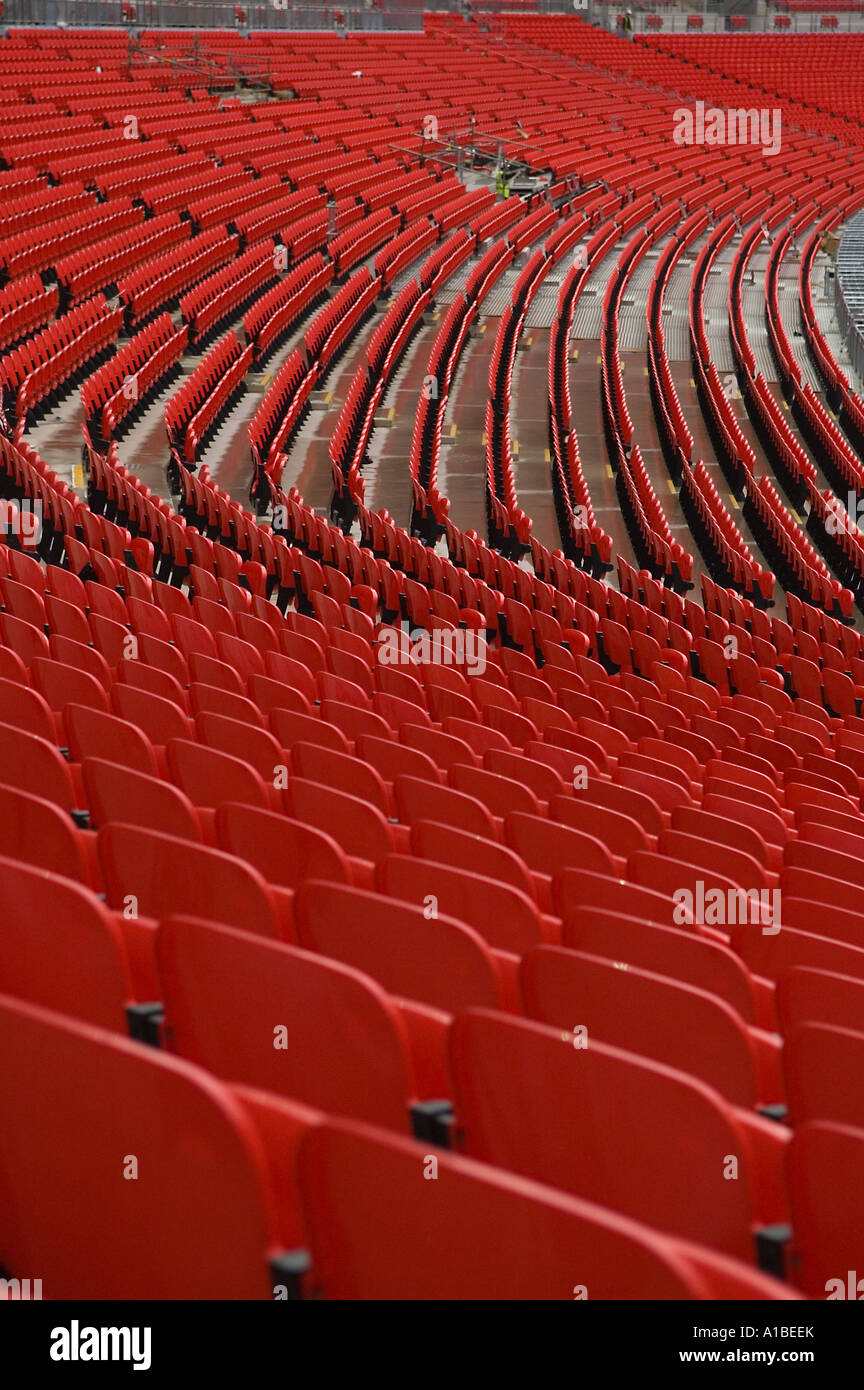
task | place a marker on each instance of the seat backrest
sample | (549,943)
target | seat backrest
(593,1120)
(675,952)
(818,996)
(274,1017)
(116,793)
(284,851)
(35,765)
(447,845)
(476,1232)
(83,1111)
(644,1013)
(36,831)
(93,733)
(60,947)
(435,960)
(162,876)
(822,1066)
(823,1166)
(505,917)
(208,776)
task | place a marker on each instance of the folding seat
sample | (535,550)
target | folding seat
(208,698)
(255,746)
(497,793)
(80,658)
(822,1065)
(666,792)
(39,832)
(803,940)
(89,978)
(665,874)
(290,673)
(340,771)
(510,1076)
(478,737)
(734,863)
(463,850)
(419,800)
(346,1048)
(808,789)
(61,583)
(621,834)
(93,733)
(65,620)
(392,759)
(33,764)
(165,876)
(482,1233)
(151,679)
(283,851)
(209,776)
(158,719)
(437,961)
(25,640)
(114,792)
(106,602)
(192,1231)
(823,1166)
(650,1016)
(674,952)
(844,834)
(300,647)
(152,651)
(505,917)
(818,996)
(546,847)
(534,770)
(614,741)
(22,602)
(359,829)
(290,728)
(24,708)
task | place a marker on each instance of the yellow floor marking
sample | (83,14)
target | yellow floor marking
(574,356)
(391,413)
(599,361)
(516,446)
(453,431)
(734,503)
(547,457)
(609,470)
(693,383)
(644,371)
(670,485)
(77,475)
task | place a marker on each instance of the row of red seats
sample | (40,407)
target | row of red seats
(165,278)
(229,289)
(124,382)
(193,409)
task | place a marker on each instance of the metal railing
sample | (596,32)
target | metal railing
(849,289)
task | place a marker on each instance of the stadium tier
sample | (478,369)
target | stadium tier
(431,664)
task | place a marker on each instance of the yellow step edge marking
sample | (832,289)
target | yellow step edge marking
(574,356)
(609,470)
(599,361)
(391,413)
(547,457)
(516,446)
(77,475)
(734,503)
(671,486)
(693,383)
(453,431)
